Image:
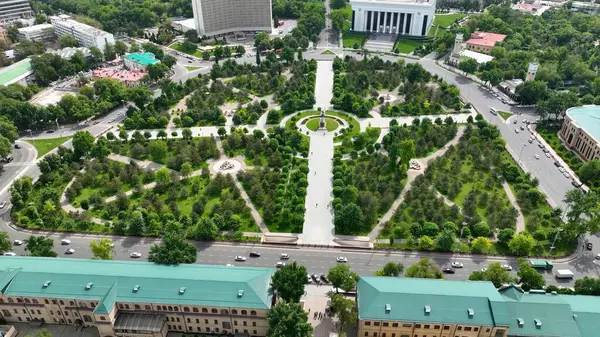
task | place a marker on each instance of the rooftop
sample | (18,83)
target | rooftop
(112,281)
(479,57)
(65,20)
(588,118)
(427,300)
(35,28)
(120,75)
(68,52)
(486,39)
(144,59)
(15,72)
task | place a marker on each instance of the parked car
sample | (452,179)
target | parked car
(507,267)
(557,164)
(9,159)
(10,254)
(280,264)
(17,146)
(589,246)
(135,255)
(547,154)
(17,242)
(308,278)
(2,204)
(537,156)
(323,278)
(315,277)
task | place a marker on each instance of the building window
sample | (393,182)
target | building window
(244,312)
(26,300)
(195,309)
(366,333)
(224,312)
(66,313)
(367,323)
(73,303)
(475,329)
(51,313)
(376,323)
(137,307)
(87,318)
(394,325)
(254,331)
(467,328)
(176,308)
(148,307)
(417,326)
(170,308)
(205,321)
(459,328)
(213,310)
(216,322)
(374,334)
(189,320)
(244,323)
(102,318)
(204,310)
(253,323)
(197,321)
(61,302)
(385,324)
(10,300)
(436,327)
(447,327)
(46,301)
(426,326)
(235,323)
(234,312)
(253,313)
(186,309)
(383,334)
(177,319)
(19,300)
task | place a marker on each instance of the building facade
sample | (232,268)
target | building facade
(86,35)
(41,32)
(483,42)
(139,61)
(11,10)
(135,299)
(221,17)
(4,35)
(581,131)
(404,17)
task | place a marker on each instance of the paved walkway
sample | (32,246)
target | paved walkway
(411,175)
(513,201)
(324,84)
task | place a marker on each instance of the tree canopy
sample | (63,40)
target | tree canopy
(289,281)
(425,268)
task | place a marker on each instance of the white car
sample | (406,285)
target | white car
(240,258)
(284,256)
(548,154)
(17,242)
(280,264)
(2,204)
(516,130)
(308,278)
(9,254)
(341,259)
(136,255)
(69,251)
(507,267)
(537,156)
(561,169)
(567,175)
(65,242)
(456,264)
(597,256)
(229,265)
(483,270)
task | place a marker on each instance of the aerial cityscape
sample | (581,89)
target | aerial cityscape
(297,168)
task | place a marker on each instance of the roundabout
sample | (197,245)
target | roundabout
(331,124)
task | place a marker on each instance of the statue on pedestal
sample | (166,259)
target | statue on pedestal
(322,122)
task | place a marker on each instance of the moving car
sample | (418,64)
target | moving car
(69,251)
(457,264)
(135,255)
(240,258)
(483,270)
(448,271)
(284,256)
(597,256)
(507,267)
(522,127)
(9,159)
(280,264)
(564,274)
(229,265)
(17,146)
(2,204)
(10,254)
(254,254)
(65,242)
(341,259)
(537,156)
(17,242)
(516,130)
(515,121)
(96,122)
(589,246)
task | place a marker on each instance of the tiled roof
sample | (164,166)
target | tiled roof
(112,281)
(410,299)
(486,39)
(144,59)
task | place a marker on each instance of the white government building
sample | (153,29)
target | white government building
(11,10)
(220,17)
(86,35)
(405,17)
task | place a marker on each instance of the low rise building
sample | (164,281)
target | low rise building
(41,32)
(131,299)
(68,52)
(581,131)
(86,35)
(405,17)
(130,78)
(11,10)
(139,61)
(483,42)
(533,9)
(19,72)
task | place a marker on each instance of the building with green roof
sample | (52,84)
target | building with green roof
(113,295)
(17,72)
(581,131)
(139,60)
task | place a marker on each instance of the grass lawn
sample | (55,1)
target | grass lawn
(44,146)
(350,38)
(446,20)
(349,132)
(330,123)
(505,115)
(406,46)
(550,135)
(177,46)
(327,52)
(190,68)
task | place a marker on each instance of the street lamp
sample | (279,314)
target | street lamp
(464,224)
(523,148)
(558,230)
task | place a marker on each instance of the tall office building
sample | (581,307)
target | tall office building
(404,17)
(86,35)
(11,10)
(219,17)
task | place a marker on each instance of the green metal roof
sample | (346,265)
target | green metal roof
(588,118)
(552,312)
(587,313)
(144,59)
(448,301)
(112,281)
(14,71)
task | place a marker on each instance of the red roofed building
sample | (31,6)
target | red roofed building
(483,42)
(129,78)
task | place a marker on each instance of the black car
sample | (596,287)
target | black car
(254,254)
(448,271)
(576,183)
(9,159)
(315,277)
(589,246)
(557,164)
(323,278)
(17,146)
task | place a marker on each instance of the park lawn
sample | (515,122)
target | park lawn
(44,146)
(190,68)
(505,115)
(435,31)
(406,46)
(177,46)
(446,20)
(327,52)
(330,124)
(351,38)
(349,132)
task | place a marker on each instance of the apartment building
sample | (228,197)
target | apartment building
(220,17)
(41,32)
(581,131)
(11,10)
(129,299)
(86,35)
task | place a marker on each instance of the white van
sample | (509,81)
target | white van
(493,111)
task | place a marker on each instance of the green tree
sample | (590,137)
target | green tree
(40,246)
(425,268)
(445,241)
(349,219)
(407,151)
(121,48)
(342,277)
(67,40)
(82,143)
(100,149)
(173,249)
(288,319)
(532,91)
(134,47)
(163,176)
(109,52)
(469,65)
(589,173)
(289,281)
(5,243)
(481,245)
(391,269)
(206,230)
(218,53)
(493,273)
(158,150)
(287,55)
(136,224)
(101,249)
(587,286)
(345,310)
(522,244)
(529,277)
(426,243)
(505,235)
(8,130)
(186,169)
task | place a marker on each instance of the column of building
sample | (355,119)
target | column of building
(385,22)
